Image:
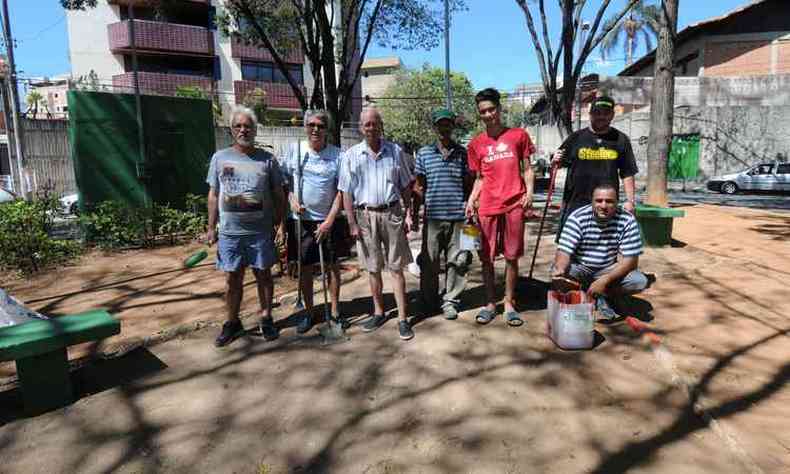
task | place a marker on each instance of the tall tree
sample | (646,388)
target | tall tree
(560,99)
(662,105)
(641,22)
(334,36)
(407,104)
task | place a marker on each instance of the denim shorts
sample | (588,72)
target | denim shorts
(239,251)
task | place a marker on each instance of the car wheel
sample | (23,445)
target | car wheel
(729,188)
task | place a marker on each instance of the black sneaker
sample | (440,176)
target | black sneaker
(404,329)
(268,331)
(230,331)
(304,324)
(344,323)
(374,322)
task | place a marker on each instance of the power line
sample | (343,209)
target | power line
(44,30)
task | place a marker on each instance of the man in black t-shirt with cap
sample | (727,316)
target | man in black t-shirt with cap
(596,155)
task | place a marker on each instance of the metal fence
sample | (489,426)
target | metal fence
(48,155)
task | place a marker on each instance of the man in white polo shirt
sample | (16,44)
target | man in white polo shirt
(599,248)
(374,178)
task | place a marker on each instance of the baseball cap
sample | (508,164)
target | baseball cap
(441,114)
(603,102)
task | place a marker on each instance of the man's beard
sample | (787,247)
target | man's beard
(244,142)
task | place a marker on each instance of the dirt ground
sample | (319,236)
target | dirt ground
(702,390)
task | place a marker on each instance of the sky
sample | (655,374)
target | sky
(489,42)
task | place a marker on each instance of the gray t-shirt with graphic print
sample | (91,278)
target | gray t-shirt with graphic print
(245,184)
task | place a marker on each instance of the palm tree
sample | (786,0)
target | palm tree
(33,99)
(642,21)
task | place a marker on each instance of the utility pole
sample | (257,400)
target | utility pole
(14,94)
(448,89)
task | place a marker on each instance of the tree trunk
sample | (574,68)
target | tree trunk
(662,107)
(629,50)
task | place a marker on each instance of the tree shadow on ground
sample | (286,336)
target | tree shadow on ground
(774,226)
(90,378)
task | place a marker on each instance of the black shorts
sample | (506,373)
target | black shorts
(332,246)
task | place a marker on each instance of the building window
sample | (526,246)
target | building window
(268,72)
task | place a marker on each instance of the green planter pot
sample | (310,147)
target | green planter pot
(656,224)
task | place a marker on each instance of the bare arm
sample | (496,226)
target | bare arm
(213,216)
(529,182)
(630,193)
(279,205)
(561,263)
(474,195)
(348,206)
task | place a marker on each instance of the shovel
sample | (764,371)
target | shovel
(332,331)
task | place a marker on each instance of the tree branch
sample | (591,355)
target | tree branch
(544,73)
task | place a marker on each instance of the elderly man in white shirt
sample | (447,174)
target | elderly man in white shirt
(376,179)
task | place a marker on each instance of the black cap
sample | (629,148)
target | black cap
(603,102)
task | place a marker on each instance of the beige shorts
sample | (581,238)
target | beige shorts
(382,236)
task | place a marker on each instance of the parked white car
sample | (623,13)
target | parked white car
(69,204)
(6,196)
(763,177)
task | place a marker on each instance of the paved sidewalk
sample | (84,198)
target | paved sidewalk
(701,389)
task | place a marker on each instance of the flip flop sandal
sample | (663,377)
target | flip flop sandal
(485,316)
(513,319)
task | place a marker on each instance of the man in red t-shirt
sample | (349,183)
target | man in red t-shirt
(499,158)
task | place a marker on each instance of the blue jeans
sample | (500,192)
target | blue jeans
(239,251)
(630,284)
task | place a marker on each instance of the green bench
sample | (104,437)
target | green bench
(39,349)
(656,224)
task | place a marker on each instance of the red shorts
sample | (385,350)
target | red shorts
(502,234)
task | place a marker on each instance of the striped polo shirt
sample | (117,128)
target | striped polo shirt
(596,245)
(444,178)
(374,179)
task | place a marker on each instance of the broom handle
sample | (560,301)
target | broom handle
(550,191)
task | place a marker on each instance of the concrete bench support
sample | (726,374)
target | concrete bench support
(40,351)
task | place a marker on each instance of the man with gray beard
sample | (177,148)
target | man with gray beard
(246,196)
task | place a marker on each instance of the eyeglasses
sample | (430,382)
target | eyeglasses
(317,126)
(239,126)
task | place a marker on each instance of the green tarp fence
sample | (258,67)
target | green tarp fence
(105,148)
(683,160)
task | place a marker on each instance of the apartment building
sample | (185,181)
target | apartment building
(177,47)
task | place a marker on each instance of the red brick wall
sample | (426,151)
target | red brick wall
(738,58)
(160,36)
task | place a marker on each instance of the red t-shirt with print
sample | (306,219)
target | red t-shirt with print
(498,160)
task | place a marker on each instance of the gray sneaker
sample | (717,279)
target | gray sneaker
(305,323)
(605,311)
(374,322)
(450,312)
(404,329)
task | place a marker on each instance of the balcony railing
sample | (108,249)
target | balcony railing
(278,96)
(162,37)
(159,83)
(240,50)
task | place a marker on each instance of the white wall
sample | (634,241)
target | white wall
(89,44)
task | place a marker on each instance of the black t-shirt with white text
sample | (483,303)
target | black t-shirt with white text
(594,159)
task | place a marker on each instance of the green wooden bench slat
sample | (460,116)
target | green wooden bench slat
(39,337)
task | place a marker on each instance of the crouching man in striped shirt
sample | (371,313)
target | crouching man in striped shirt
(599,247)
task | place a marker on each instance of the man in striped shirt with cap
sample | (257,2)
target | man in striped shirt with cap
(442,174)
(599,248)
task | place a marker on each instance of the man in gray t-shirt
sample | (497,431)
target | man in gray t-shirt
(246,196)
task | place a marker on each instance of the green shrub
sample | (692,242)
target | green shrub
(113,224)
(25,243)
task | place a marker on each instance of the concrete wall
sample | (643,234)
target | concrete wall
(731,138)
(89,44)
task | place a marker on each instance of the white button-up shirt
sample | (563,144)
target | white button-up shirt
(374,179)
